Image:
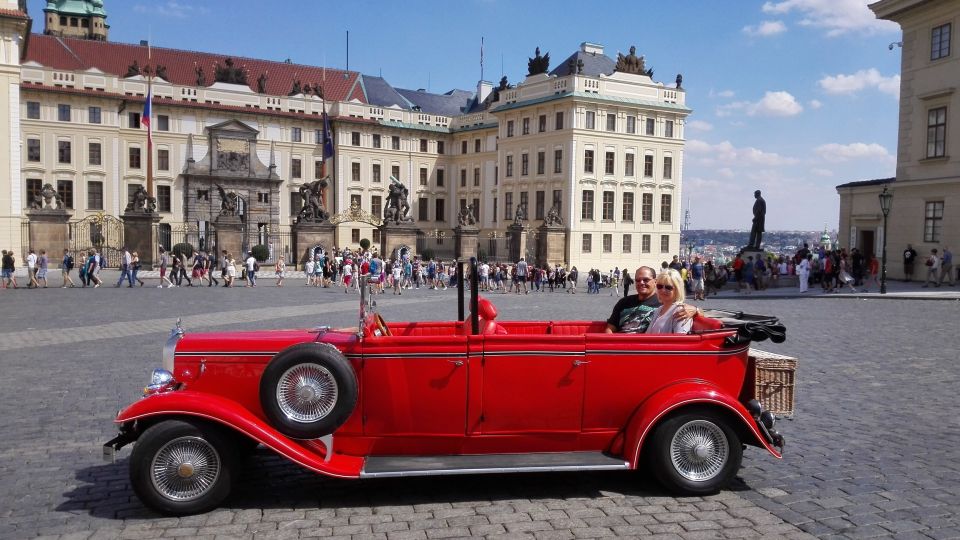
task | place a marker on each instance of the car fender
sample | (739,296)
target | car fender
(675,396)
(309,454)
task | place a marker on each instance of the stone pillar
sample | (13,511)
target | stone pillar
(467,242)
(307,236)
(230,236)
(393,236)
(518,241)
(140,235)
(48,230)
(552,245)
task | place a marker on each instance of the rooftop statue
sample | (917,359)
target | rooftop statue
(228,73)
(632,64)
(538,64)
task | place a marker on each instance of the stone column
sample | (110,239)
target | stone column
(230,236)
(467,242)
(518,241)
(140,235)
(552,245)
(48,230)
(393,236)
(307,236)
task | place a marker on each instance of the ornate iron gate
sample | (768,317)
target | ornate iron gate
(101,232)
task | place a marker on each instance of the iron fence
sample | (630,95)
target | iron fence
(439,244)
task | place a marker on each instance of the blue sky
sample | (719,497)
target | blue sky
(789,96)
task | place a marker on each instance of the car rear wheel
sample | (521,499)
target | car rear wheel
(182,467)
(308,391)
(695,453)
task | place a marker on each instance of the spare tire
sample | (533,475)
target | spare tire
(308,390)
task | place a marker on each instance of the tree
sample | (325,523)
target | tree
(364,244)
(260,252)
(183,248)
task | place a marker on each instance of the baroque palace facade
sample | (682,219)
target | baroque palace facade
(595,139)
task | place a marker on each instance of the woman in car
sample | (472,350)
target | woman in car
(671,295)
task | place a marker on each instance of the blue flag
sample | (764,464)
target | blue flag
(327,138)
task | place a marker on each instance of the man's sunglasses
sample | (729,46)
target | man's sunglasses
(667,287)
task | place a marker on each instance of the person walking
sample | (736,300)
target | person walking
(66,266)
(252,267)
(397,273)
(522,270)
(164,262)
(42,264)
(909,257)
(211,267)
(933,269)
(32,270)
(183,271)
(280,268)
(9,269)
(230,267)
(125,261)
(697,278)
(135,268)
(946,266)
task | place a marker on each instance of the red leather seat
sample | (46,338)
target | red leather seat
(487,313)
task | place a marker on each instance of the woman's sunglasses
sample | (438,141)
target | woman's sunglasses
(667,287)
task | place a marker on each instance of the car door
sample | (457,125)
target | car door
(532,383)
(414,385)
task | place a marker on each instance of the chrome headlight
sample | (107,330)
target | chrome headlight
(161,381)
(170,347)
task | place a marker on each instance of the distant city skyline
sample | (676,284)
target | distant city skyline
(791,97)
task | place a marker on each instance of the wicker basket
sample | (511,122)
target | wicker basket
(775,377)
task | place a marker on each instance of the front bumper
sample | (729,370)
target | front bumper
(123,438)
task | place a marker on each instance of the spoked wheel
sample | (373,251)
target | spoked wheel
(695,453)
(182,467)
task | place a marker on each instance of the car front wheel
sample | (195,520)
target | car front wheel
(182,467)
(695,453)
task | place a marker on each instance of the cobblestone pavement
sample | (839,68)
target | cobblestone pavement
(873,450)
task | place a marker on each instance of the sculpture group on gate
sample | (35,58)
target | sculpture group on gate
(313,210)
(466,217)
(141,201)
(553,218)
(398,208)
(520,215)
(47,199)
(229,202)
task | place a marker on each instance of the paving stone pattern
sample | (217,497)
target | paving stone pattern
(873,450)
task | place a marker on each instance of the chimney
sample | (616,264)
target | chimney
(483,90)
(591,48)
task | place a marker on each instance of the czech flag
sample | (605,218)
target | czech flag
(147,115)
(327,138)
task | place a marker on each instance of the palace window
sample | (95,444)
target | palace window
(376,205)
(376,140)
(645,243)
(648,166)
(463,178)
(936,132)
(133,120)
(627,206)
(63,112)
(423,145)
(591,120)
(587,243)
(611,122)
(606,208)
(509,128)
(940,42)
(558,161)
(65,190)
(665,243)
(375,173)
(441,147)
(463,147)
(476,177)
(507,205)
(439,178)
(33,150)
(163,123)
(423,209)
(541,162)
(526,126)
(542,123)
(541,201)
(64,152)
(524,164)
(586,205)
(607,243)
(263,197)
(296,134)
(204,195)
(933,221)
(628,165)
(439,204)
(668,129)
(627,243)
(509,166)
(476,145)
(33,110)
(558,121)
(525,201)
(355,138)
(318,169)
(34,186)
(163,160)
(667,168)
(646,209)
(296,168)
(651,126)
(631,124)
(163,199)
(666,208)
(395,142)
(296,203)
(355,172)
(395,171)
(588,161)
(608,163)
(94,115)
(94,195)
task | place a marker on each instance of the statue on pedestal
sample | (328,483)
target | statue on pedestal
(520,215)
(553,218)
(313,210)
(140,201)
(228,202)
(466,217)
(759,217)
(47,199)
(397,205)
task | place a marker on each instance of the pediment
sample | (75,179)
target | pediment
(234,126)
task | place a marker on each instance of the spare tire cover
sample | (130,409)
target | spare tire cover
(308,390)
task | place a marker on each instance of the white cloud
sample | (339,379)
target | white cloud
(822,172)
(772,104)
(834,152)
(725,94)
(863,79)
(727,154)
(699,125)
(765,29)
(815,104)
(836,17)
(726,172)
(171,8)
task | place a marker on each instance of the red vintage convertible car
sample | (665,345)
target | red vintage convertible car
(477,395)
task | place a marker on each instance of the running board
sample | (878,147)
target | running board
(393,466)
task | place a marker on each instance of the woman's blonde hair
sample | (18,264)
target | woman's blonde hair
(672,277)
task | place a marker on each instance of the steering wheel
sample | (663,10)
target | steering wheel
(381,324)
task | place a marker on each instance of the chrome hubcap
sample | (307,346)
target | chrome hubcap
(699,450)
(307,393)
(185,468)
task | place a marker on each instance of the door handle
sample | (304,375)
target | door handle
(457,363)
(578,363)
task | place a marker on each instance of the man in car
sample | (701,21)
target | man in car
(631,315)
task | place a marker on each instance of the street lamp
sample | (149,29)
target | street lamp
(886,200)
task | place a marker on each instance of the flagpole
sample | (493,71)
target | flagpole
(149,109)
